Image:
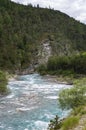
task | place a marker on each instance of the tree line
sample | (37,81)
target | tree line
(75,64)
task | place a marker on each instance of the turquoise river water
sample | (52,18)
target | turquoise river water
(31,104)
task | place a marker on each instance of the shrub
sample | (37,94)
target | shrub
(73,97)
(42,69)
(76,64)
(55,124)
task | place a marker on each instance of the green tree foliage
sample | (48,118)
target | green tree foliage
(22,28)
(42,69)
(3,83)
(67,65)
(78,63)
(55,124)
(56,63)
(75,96)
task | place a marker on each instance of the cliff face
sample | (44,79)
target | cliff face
(48,48)
(44,52)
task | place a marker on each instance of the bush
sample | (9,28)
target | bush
(76,64)
(55,124)
(42,69)
(73,97)
(58,62)
(78,110)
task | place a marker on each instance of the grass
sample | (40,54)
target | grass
(70,122)
(84,126)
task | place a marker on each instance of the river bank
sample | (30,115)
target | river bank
(59,79)
(74,98)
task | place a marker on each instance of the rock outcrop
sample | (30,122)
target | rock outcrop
(45,51)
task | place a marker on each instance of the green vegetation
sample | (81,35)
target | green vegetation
(66,124)
(70,122)
(55,124)
(3,83)
(84,126)
(79,111)
(22,28)
(75,98)
(42,69)
(65,65)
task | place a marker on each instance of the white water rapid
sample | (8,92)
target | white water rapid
(31,104)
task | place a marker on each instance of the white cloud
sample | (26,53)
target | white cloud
(82,17)
(74,8)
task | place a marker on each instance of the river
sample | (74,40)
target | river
(31,104)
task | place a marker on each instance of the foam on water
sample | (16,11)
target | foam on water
(52,97)
(10,96)
(23,109)
(41,125)
(31,104)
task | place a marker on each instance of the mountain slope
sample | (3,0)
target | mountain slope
(24,28)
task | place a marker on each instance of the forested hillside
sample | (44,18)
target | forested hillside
(22,29)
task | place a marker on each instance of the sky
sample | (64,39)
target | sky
(74,8)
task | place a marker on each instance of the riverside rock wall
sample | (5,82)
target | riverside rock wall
(45,51)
